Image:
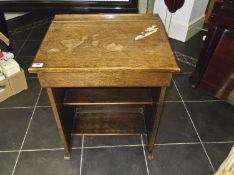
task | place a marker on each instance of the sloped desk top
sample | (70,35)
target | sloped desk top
(77,43)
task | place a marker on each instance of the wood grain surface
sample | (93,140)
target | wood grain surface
(109,124)
(107,96)
(77,43)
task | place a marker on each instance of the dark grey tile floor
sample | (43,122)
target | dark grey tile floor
(195,134)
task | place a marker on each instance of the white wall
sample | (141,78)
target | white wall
(199,8)
(12,15)
(185,21)
(182,15)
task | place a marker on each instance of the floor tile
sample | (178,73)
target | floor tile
(14,123)
(218,153)
(180,160)
(30,48)
(111,140)
(192,47)
(20,35)
(25,63)
(188,93)
(43,132)
(7,161)
(175,126)
(185,68)
(48,163)
(214,121)
(16,46)
(44,99)
(186,63)
(28,19)
(38,33)
(76,141)
(25,98)
(114,161)
(172,94)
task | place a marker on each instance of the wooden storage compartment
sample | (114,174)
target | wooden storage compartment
(107,123)
(108,111)
(104,96)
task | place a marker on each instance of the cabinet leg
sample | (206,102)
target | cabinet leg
(64,118)
(67,155)
(150,155)
(153,116)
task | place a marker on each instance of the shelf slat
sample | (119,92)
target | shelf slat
(109,124)
(104,96)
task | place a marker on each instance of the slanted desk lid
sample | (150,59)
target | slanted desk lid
(135,42)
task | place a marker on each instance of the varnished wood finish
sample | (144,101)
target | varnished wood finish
(106,96)
(104,45)
(154,119)
(214,72)
(105,79)
(110,108)
(115,81)
(63,117)
(109,124)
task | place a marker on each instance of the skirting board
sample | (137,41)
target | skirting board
(181,31)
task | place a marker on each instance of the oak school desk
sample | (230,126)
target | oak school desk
(106,74)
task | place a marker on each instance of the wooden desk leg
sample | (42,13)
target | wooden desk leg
(153,123)
(63,116)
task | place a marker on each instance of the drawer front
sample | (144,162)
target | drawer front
(105,79)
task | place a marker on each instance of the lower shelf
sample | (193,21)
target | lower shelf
(109,124)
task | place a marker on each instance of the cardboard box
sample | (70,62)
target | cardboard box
(9,67)
(12,85)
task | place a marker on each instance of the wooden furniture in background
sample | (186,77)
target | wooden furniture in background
(209,10)
(100,79)
(214,72)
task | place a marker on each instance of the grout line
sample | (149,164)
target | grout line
(43,106)
(22,46)
(43,149)
(81,155)
(176,101)
(9,151)
(115,146)
(24,107)
(172,101)
(171,144)
(111,146)
(17,40)
(22,144)
(219,142)
(31,77)
(203,101)
(146,162)
(194,127)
